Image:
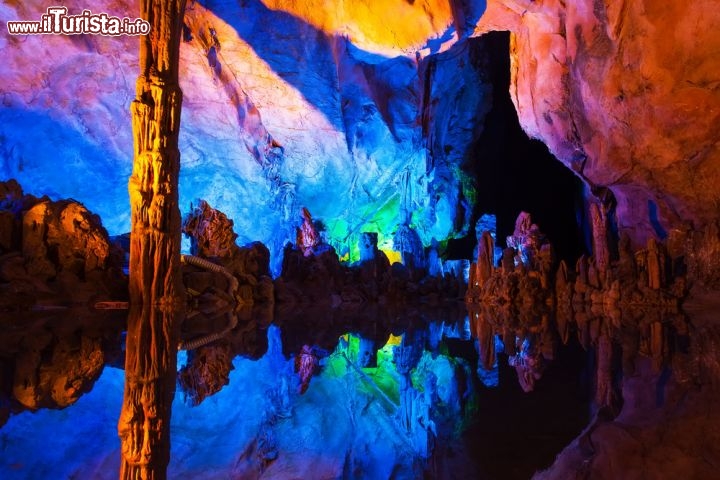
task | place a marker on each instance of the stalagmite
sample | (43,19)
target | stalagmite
(655,265)
(156,292)
(486,252)
(307,235)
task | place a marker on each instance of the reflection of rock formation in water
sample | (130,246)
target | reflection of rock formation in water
(222,279)
(56,263)
(668,425)
(525,286)
(620,305)
(391,387)
(50,359)
(653,370)
(248,306)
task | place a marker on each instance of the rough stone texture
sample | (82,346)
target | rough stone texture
(54,253)
(65,112)
(212,236)
(626,94)
(349,100)
(345,111)
(156,292)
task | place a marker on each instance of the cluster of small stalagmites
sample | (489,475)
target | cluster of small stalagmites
(522,280)
(643,277)
(212,237)
(655,276)
(53,251)
(318,277)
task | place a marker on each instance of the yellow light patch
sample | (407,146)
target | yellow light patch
(392,255)
(394,340)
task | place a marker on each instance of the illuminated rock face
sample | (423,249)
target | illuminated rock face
(285,106)
(356,113)
(626,95)
(54,253)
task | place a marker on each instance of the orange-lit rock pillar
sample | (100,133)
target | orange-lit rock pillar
(156,291)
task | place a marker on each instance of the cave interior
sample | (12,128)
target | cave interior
(322,239)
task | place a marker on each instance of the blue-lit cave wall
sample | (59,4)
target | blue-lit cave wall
(277,115)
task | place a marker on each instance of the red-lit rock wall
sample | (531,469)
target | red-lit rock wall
(627,95)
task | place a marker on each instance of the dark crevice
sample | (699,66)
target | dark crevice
(514,173)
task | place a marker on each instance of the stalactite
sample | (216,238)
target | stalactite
(156,292)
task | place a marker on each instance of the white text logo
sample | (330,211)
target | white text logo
(57,22)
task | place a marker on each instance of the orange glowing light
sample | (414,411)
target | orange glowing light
(382,26)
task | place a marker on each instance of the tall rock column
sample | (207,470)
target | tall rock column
(156,291)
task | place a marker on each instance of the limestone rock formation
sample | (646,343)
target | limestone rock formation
(320,279)
(338,102)
(157,300)
(363,109)
(625,94)
(522,282)
(212,236)
(54,253)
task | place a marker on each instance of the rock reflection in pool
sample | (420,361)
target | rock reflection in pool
(391,397)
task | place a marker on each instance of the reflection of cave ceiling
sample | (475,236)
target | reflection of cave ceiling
(358,114)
